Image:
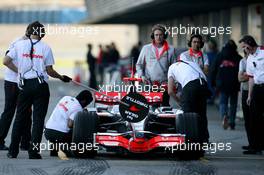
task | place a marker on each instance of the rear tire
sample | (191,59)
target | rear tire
(188,124)
(84,127)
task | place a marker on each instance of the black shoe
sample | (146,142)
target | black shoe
(11,156)
(246,147)
(34,156)
(53,153)
(253,151)
(24,148)
(3,147)
(69,153)
(232,128)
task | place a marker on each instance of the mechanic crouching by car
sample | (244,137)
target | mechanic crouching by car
(34,63)
(194,93)
(59,126)
(155,59)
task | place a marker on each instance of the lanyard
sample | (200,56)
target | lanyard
(31,58)
(32,47)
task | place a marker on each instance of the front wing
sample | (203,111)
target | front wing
(139,143)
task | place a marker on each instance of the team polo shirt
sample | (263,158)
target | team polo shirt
(184,73)
(255,65)
(66,109)
(27,68)
(9,74)
(199,57)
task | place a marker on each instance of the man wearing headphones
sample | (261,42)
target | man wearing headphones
(34,63)
(11,94)
(255,72)
(154,60)
(195,54)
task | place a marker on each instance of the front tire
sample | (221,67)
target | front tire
(84,127)
(188,124)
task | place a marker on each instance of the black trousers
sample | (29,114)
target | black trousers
(194,97)
(257,117)
(246,114)
(35,94)
(11,94)
(57,137)
(166,99)
(92,81)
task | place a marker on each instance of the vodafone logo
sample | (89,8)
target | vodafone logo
(26,55)
(101,98)
(151,97)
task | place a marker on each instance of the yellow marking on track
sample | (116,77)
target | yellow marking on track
(204,160)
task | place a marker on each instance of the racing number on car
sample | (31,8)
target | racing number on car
(137,109)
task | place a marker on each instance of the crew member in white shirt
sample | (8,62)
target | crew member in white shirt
(11,93)
(59,126)
(255,72)
(34,61)
(243,78)
(194,91)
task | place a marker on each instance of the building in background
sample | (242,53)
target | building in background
(244,16)
(65,31)
(46,11)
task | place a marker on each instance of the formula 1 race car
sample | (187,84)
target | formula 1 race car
(160,129)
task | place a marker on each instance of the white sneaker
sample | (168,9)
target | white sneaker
(62,155)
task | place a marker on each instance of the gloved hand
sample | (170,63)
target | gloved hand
(66,79)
